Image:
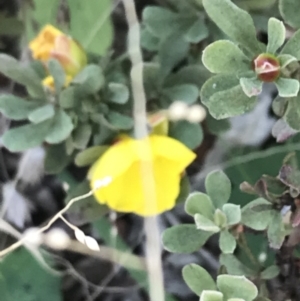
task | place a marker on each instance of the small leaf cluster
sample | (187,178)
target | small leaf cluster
(242,64)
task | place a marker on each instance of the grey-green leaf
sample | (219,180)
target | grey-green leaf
(16,108)
(205,224)
(61,128)
(276,35)
(289,11)
(276,232)
(234,266)
(42,113)
(218,187)
(211,296)
(224,97)
(184,238)
(251,86)
(233,213)
(292,113)
(287,87)
(82,135)
(198,279)
(25,137)
(237,287)
(225,57)
(90,155)
(227,242)
(22,74)
(198,202)
(257,220)
(190,134)
(270,272)
(292,47)
(119,93)
(186,92)
(234,22)
(58,74)
(119,121)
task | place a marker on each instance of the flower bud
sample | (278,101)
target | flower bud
(52,43)
(267,67)
(159,123)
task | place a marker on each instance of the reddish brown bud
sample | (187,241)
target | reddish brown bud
(267,67)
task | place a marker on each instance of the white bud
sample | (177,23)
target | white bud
(178,110)
(196,114)
(262,257)
(91,243)
(57,239)
(80,236)
(32,236)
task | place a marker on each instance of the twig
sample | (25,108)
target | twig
(153,248)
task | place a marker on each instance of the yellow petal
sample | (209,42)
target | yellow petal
(128,192)
(173,150)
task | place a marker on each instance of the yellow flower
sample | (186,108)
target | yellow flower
(145,174)
(49,82)
(52,43)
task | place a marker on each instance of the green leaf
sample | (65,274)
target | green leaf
(234,266)
(205,224)
(270,272)
(172,50)
(186,93)
(90,155)
(45,16)
(276,35)
(118,93)
(97,33)
(91,79)
(26,279)
(81,135)
(236,287)
(61,128)
(276,232)
(185,189)
(233,213)
(16,108)
(254,219)
(289,11)
(251,86)
(162,22)
(197,32)
(184,238)
(3,289)
(279,105)
(224,97)
(211,296)
(285,60)
(292,113)
(67,98)
(215,126)
(292,47)
(190,134)
(22,74)
(42,113)
(227,242)
(148,40)
(220,219)
(25,137)
(225,57)
(287,87)
(198,202)
(56,158)
(218,187)
(58,74)
(119,121)
(87,211)
(234,22)
(198,279)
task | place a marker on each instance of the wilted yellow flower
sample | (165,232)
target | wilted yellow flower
(145,174)
(52,43)
(49,82)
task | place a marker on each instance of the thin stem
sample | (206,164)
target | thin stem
(153,247)
(242,242)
